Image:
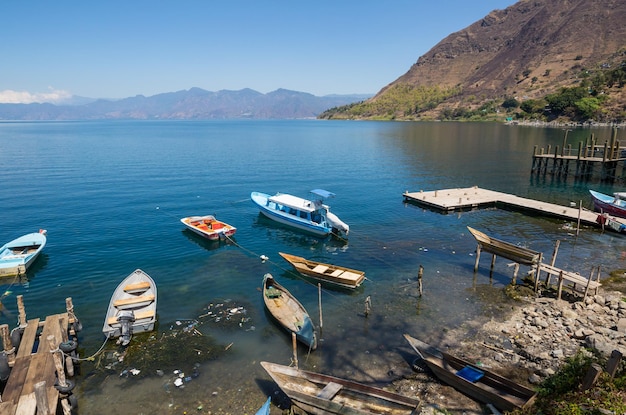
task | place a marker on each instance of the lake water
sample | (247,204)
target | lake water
(111,194)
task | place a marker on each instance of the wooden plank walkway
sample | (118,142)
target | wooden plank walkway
(475,197)
(37,360)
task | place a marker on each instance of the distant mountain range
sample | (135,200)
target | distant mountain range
(529,51)
(192,104)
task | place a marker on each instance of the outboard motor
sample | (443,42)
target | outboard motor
(126,318)
(336,223)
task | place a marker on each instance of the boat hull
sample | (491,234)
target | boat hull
(335,275)
(287,311)
(607,204)
(320,394)
(261,201)
(136,294)
(208,227)
(485,386)
(19,254)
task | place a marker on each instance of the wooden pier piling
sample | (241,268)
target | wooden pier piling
(590,154)
(38,382)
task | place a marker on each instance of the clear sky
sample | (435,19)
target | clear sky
(119,49)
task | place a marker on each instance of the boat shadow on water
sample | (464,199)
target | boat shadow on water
(203,242)
(297,237)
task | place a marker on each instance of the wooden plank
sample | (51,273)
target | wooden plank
(27,405)
(330,390)
(142,315)
(13,387)
(28,338)
(137,287)
(134,300)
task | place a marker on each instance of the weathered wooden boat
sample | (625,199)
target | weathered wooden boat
(505,249)
(288,312)
(332,274)
(132,309)
(208,227)
(19,254)
(312,216)
(613,205)
(476,382)
(320,394)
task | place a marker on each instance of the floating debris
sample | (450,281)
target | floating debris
(227,314)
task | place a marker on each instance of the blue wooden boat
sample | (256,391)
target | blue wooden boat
(19,254)
(288,312)
(308,215)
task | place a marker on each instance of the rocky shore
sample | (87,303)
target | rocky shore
(527,346)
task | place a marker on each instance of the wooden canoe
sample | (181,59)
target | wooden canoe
(288,312)
(332,274)
(320,394)
(505,249)
(476,382)
(132,308)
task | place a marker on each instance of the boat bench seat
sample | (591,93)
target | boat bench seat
(137,287)
(141,315)
(351,276)
(133,300)
(336,273)
(330,391)
(320,269)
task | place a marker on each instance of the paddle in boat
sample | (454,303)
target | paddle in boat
(287,311)
(308,215)
(19,254)
(477,382)
(613,205)
(328,273)
(208,227)
(132,309)
(320,394)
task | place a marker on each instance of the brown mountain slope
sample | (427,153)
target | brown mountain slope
(529,50)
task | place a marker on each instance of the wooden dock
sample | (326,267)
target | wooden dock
(608,156)
(40,364)
(448,200)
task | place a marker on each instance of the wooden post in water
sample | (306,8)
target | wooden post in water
(294,345)
(477,258)
(558,297)
(580,209)
(9,349)
(319,301)
(493,264)
(553,259)
(420,274)
(515,271)
(21,311)
(368,305)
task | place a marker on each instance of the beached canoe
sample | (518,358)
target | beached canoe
(332,274)
(288,312)
(476,382)
(320,394)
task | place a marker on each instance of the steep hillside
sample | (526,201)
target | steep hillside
(528,51)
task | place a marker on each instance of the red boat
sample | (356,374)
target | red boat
(613,205)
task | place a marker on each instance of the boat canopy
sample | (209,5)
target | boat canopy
(322,193)
(294,202)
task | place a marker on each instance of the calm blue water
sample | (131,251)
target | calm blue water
(111,194)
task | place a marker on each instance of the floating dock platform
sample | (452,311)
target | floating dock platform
(38,358)
(469,198)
